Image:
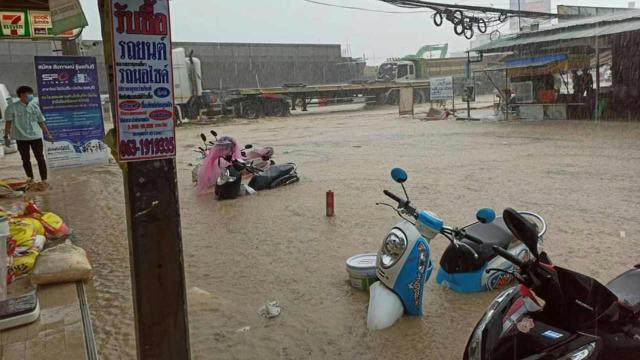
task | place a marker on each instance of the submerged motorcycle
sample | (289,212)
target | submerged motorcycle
(404,261)
(224,167)
(464,271)
(258,157)
(578,319)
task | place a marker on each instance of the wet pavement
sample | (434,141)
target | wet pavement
(278,244)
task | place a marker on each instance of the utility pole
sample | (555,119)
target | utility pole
(70,47)
(519,17)
(153,217)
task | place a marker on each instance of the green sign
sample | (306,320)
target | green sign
(15,24)
(24,24)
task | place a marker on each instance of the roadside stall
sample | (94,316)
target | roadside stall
(578,69)
(543,87)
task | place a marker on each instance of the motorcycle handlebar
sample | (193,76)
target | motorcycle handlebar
(394,197)
(507,255)
(473,238)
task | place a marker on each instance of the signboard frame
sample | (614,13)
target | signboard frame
(441,88)
(142,69)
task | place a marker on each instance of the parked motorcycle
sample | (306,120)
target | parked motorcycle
(404,261)
(578,319)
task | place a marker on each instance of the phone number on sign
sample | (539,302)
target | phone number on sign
(144,147)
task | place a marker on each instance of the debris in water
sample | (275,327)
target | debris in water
(243,329)
(270,309)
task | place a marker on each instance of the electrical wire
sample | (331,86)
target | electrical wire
(368,10)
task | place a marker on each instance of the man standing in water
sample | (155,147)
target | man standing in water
(25,124)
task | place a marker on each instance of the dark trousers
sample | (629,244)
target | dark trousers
(38,151)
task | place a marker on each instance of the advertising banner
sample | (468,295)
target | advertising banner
(441,88)
(69,98)
(143,79)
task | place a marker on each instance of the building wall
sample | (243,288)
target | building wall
(224,65)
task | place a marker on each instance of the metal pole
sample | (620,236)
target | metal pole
(597,114)
(467,76)
(519,17)
(155,241)
(506,101)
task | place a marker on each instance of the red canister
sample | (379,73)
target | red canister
(330,211)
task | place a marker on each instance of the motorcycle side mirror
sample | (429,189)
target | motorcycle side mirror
(248,146)
(486,215)
(523,229)
(215,134)
(399,175)
(203,137)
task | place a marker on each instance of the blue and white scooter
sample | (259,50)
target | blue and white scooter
(404,263)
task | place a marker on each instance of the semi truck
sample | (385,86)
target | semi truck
(411,71)
(192,99)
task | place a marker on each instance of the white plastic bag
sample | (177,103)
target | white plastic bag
(385,307)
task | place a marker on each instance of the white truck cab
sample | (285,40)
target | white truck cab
(400,71)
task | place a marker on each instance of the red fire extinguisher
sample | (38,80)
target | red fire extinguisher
(330,210)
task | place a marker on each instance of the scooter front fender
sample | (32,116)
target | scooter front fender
(385,307)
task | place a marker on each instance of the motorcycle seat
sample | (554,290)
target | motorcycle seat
(460,260)
(627,288)
(496,233)
(266,178)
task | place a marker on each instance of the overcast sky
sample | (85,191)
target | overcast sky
(375,35)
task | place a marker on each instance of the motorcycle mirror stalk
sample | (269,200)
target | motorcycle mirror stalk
(400,176)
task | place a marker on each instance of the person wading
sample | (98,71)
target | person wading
(26,124)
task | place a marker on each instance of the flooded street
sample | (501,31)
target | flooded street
(278,245)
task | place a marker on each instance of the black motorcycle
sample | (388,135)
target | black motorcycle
(229,184)
(557,313)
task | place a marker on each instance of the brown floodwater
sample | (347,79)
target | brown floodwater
(278,245)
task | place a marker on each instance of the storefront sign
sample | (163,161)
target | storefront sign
(69,97)
(15,24)
(25,24)
(143,79)
(66,15)
(441,88)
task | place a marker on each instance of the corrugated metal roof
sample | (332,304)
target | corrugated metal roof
(584,28)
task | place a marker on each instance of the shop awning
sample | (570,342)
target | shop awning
(582,29)
(542,65)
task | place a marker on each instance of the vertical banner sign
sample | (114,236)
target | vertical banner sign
(143,79)
(441,88)
(69,97)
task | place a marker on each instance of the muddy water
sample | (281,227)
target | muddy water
(278,245)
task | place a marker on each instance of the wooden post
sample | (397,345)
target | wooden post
(155,243)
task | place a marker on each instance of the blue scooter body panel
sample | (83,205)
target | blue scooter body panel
(409,285)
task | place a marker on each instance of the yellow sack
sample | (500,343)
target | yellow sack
(23,233)
(21,265)
(54,225)
(37,225)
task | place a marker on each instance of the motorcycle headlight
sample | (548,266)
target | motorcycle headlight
(582,353)
(393,247)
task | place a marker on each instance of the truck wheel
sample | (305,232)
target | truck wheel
(276,108)
(250,110)
(392,98)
